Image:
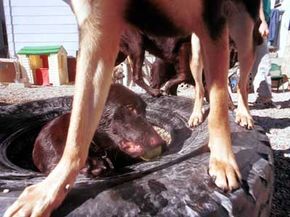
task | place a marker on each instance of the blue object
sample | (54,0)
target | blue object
(274,27)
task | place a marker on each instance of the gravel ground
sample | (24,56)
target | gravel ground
(276,123)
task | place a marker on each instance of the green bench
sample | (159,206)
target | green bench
(277,76)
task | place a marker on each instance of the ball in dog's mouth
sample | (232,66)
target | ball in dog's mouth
(153,153)
(156,152)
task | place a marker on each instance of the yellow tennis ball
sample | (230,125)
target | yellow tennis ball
(149,155)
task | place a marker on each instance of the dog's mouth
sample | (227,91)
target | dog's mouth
(136,150)
(165,135)
(131,148)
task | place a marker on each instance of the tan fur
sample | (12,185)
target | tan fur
(196,67)
(242,35)
(82,9)
(100,24)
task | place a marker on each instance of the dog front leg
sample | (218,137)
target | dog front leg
(222,166)
(99,39)
(196,67)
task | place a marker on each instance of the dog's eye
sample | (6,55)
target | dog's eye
(132,109)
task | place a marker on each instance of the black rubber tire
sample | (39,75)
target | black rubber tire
(177,184)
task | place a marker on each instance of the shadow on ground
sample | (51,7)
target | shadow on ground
(269,123)
(281,197)
(284,104)
(3,104)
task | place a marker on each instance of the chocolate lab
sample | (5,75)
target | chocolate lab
(123,127)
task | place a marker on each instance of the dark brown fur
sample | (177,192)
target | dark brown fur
(172,50)
(123,125)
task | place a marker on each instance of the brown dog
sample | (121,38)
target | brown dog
(134,43)
(166,76)
(100,24)
(123,127)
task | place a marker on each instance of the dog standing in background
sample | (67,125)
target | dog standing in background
(100,25)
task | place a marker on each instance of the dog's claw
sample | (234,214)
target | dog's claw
(213,177)
(244,119)
(196,118)
(155,92)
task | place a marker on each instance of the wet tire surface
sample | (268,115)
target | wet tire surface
(176,184)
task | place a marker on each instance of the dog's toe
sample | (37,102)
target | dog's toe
(233,178)
(244,119)
(225,175)
(195,119)
(194,122)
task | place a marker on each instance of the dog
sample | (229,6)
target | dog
(123,132)
(166,75)
(134,43)
(161,73)
(100,25)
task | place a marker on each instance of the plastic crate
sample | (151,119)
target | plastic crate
(42,76)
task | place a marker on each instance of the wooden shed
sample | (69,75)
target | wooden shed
(44,65)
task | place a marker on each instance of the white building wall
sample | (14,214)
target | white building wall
(40,23)
(284,27)
(2,19)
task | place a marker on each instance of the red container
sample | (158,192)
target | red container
(71,67)
(44,59)
(41,75)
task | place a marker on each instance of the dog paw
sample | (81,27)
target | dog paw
(244,119)
(196,118)
(155,92)
(93,167)
(225,173)
(36,200)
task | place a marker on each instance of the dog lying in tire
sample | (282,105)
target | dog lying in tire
(123,128)
(100,24)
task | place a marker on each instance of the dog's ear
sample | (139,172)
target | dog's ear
(257,38)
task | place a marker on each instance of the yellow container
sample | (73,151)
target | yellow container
(35,62)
